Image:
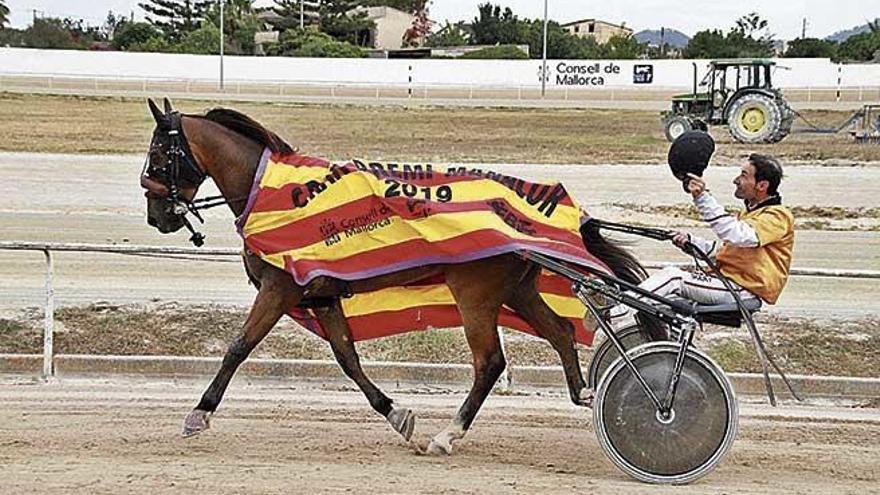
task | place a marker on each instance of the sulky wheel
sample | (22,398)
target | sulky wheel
(631,337)
(678,449)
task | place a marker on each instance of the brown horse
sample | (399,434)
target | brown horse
(226,146)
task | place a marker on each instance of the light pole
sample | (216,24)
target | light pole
(221,43)
(544,57)
(302,14)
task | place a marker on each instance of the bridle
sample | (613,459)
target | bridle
(180,168)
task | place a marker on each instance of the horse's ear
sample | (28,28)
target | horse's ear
(157,114)
(167,105)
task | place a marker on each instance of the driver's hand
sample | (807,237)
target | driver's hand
(696,185)
(680,239)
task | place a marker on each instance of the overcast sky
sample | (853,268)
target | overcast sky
(824,17)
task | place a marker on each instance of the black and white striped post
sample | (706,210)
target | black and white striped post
(839,72)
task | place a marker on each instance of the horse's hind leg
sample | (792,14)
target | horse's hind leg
(478,291)
(338,334)
(481,330)
(527,303)
(277,293)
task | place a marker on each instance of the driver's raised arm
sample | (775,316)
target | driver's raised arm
(725,225)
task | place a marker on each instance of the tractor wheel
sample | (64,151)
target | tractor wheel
(754,118)
(676,126)
(787,119)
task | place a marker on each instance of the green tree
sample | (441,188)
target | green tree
(203,41)
(175,18)
(811,48)
(744,45)
(156,44)
(311,43)
(339,19)
(560,43)
(737,43)
(751,24)
(510,52)
(82,34)
(4,14)
(240,25)
(494,26)
(449,35)
(708,44)
(131,34)
(863,46)
(289,11)
(623,47)
(111,24)
(47,32)
(11,37)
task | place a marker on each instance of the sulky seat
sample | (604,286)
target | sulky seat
(725,314)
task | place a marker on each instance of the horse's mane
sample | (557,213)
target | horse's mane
(248,127)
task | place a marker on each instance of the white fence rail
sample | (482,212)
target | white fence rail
(47,248)
(339,90)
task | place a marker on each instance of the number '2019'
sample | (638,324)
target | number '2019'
(442,194)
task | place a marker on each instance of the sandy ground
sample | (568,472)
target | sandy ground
(96,199)
(122,436)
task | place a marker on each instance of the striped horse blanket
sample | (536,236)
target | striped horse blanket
(361,219)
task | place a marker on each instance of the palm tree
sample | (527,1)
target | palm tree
(4,13)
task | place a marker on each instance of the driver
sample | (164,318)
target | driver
(755,249)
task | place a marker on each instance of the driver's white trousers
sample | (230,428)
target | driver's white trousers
(692,285)
(677,283)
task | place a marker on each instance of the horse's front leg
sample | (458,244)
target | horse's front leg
(336,328)
(277,293)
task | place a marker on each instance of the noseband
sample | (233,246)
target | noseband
(180,168)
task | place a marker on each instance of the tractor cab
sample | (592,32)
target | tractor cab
(738,93)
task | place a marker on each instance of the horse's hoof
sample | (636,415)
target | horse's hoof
(196,422)
(439,448)
(585,397)
(403,421)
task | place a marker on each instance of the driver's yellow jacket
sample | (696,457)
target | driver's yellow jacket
(757,244)
(763,269)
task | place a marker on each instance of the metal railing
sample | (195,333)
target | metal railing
(95,84)
(47,248)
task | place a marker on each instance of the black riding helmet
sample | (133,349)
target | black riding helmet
(690,154)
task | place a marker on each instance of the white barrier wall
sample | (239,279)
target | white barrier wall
(576,74)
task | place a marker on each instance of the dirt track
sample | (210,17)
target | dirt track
(122,436)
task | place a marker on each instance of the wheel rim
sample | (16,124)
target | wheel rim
(676,129)
(753,120)
(659,450)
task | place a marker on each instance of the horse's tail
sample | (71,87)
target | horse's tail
(624,266)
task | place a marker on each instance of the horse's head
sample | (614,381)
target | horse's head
(171,176)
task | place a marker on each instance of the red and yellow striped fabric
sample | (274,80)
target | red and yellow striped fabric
(358,220)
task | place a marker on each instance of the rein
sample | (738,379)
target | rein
(181,165)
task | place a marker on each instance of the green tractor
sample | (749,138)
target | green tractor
(740,95)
